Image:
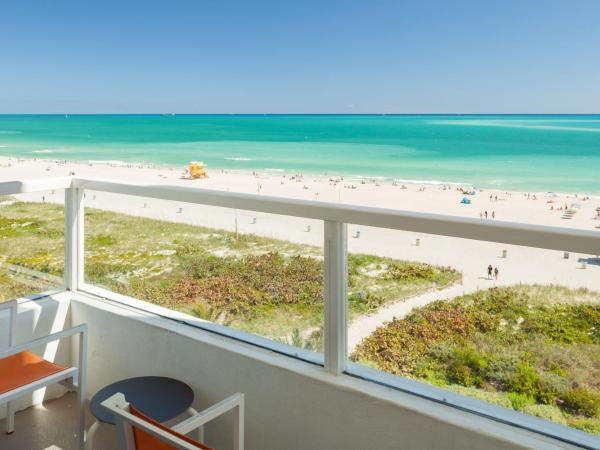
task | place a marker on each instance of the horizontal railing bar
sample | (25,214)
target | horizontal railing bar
(539,236)
(34,185)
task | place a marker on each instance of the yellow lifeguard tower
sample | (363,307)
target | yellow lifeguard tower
(197,170)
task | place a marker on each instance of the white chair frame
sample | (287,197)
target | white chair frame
(76,374)
(119,407)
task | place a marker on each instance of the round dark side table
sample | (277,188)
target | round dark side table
(160,398)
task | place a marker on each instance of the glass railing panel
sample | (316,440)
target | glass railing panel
(253,272)
(31,243)
(513,326)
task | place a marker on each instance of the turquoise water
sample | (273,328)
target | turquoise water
(547,153)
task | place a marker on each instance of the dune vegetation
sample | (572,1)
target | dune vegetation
(265,286)
(533,348)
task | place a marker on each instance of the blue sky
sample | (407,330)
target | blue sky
(194,56)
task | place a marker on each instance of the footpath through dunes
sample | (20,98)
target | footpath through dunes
(363,326)
(532,348)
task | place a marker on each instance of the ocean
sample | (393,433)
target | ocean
(559,153)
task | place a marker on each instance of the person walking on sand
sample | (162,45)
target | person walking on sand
(485,214)
(493,214)
(490,268)
(496,272)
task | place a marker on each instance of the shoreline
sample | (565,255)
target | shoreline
(356,178)
(272,171)
(542,208)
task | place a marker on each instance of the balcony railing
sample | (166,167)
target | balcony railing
(336,218)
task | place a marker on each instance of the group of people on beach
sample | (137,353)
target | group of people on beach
(483,214)
(492,271)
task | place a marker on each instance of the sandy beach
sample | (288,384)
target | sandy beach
(526,207)
(522,265)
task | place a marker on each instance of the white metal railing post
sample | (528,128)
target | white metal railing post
(336,304)
(73,238)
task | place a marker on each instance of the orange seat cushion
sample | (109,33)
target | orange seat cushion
(24,368)
(145,441)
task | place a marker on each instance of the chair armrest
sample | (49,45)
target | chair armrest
(79,329)
(124,420)
(210,413)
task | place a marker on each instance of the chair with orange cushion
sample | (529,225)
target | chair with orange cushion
(136,431)
(22,371)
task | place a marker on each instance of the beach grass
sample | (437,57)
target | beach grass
(31,237)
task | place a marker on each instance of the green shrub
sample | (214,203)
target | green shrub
(11,227)
(520,401)
(582,402)
(409,271)
(565,322)
(549,386)
(365,302)
(502,364)
(466,367)
(101,240)
(524,380)
(238,286)
(502,339)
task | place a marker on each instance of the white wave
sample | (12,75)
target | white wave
(432,182)
(238,158)
(274,170)
(573,120)
(46,150)
(3,146)
(109,162)
(509,124)
(367,177)
(9,132)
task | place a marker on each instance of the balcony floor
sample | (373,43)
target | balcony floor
(51,426)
